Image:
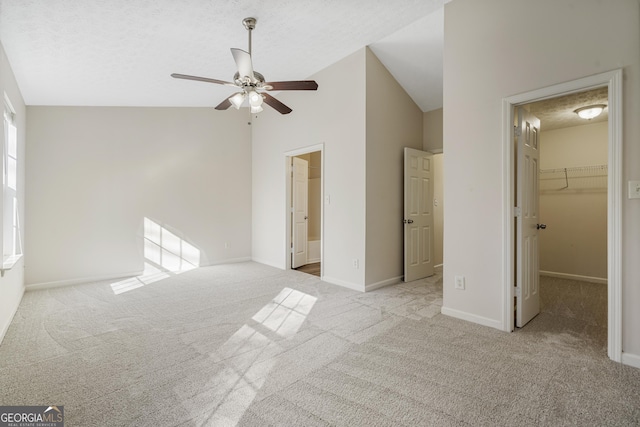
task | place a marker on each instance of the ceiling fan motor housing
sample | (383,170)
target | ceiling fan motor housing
(245,81)
(249,23)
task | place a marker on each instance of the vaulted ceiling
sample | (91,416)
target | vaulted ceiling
(121,52)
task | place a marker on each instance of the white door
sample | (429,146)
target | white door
(300,211)
(418,214)
(527,264)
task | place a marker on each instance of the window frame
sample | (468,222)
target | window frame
(10,232)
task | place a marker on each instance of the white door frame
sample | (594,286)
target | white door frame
(287,161)
(613,81)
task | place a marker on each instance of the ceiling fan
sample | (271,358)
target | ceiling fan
(252,84)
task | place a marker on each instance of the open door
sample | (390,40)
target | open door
(300,212)
(527,248)
(418,214)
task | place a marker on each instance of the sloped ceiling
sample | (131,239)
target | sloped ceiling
(121,52)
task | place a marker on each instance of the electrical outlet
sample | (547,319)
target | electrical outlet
(356,264)
(459,282)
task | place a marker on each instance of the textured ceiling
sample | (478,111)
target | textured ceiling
(121,52)
(556,113)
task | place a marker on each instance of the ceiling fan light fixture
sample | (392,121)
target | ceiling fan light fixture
(255,99)
(252,85)
(590,111)
(237,100)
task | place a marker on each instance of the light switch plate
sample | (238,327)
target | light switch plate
(634,189)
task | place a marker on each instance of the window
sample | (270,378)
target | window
(11,239)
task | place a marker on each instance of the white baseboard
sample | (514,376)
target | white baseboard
(631,360)
(343,283)
(469,317)
(589,279)
(439,265)
(229,261)
(81,280)
(265,262)
(383,283)
(5,327)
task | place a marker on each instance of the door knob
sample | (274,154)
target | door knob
(408,221)
(541,226)
(306,217)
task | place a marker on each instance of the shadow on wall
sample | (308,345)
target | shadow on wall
(165,254)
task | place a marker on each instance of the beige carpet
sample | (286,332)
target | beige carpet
(250,345)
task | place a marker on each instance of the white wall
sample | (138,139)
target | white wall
(95,173)
(363,122)
(432,141)
(315,208)
(498,48)
(314,195)
(574,244)
(12,283)
(432,132)
(394,121)
(334,115)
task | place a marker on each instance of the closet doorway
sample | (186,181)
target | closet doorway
(613,81)
(570,234)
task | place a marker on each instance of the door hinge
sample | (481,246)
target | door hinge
(517,211)
(517,292)
(517,131)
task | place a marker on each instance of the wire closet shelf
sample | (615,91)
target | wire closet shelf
(581,178)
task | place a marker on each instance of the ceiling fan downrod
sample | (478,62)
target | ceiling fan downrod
(249,24)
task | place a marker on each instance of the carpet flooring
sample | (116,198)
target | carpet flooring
(250,345)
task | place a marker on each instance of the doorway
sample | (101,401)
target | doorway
(613,82)
(305,210)
(570,274)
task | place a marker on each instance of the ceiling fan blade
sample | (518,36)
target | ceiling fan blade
(243,61)
(201,79)
(224,105)
(293,85)
(275,104)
